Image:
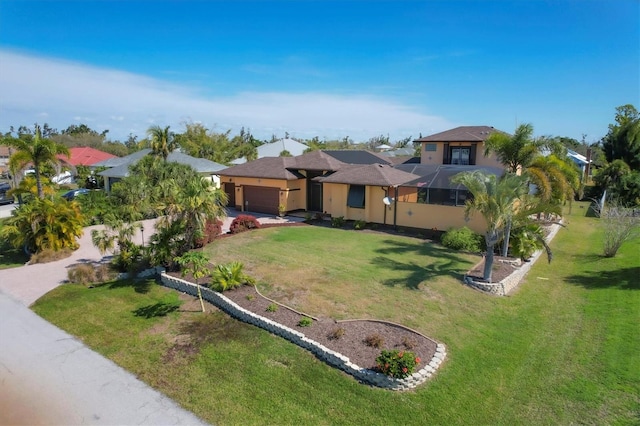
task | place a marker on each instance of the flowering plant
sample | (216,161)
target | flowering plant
(398,364)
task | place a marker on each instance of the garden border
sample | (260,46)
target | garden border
(330,357)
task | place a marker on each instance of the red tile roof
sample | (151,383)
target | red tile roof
(85,156)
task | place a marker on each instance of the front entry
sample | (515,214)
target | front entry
(314,192)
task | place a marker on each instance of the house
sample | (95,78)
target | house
(85,156)
(118,167)
(361,185)
(274,149)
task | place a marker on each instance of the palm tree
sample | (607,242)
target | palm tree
(37,151)
(557,180)
(496,199)
(515,151)
(194,263)
(163,141)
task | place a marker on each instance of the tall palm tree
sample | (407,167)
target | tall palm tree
(496,199)
(515,151)
(557,180)
(163,141)
(38,151)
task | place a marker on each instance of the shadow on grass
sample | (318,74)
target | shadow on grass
(159,309)
(624,279)
(438,263)
(140,286)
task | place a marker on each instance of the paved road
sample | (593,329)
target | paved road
(6,209)
(49,377)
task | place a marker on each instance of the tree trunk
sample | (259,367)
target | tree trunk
(488,264)
(507,235)
(38,182)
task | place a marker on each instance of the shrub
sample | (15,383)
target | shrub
(272,307)
(408,342)
(462,239)
(375,341)
(212,230)
(305,322)
(229,276)
(359,224)
(337,222)
(398,364)
(87,274)
(336,333)
(48,255)
(243,223)
(249,297)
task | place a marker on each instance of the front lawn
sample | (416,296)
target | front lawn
(563,349)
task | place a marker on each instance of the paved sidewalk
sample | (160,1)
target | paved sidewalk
(50,377)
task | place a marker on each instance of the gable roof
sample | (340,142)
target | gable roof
(461,134)
(317,160)
(85,156)
(121,167)
(369,174)
(265,168)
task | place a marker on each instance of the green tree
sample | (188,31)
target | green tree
(497,200)
(194,263)
(515,152)
(622,142)
(37,151)
(162,141)
(557,180)
(44,224)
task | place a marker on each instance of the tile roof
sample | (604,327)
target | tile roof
(461,134)
(85,156)
(369,174)
(265,168)
(359,156)
(318,160)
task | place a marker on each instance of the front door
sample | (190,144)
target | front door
(314,193)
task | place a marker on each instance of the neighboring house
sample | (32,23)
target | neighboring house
(274,149)
(361,185)
(118,167)
(85,156)
(580,160)
(5,153)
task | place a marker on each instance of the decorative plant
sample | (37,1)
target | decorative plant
(409,343)
(336,334)
(243,223)
(194,263)
(337,222)
(359,224)
(397,364)
(229,276)
(305,322)
(375,341)
(282,209)
(272,307)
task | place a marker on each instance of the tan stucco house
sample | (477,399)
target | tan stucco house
(361,185)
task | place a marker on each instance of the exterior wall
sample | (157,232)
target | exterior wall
(435,157)
(407,213)
(293,194)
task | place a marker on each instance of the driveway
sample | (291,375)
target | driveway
(49,377)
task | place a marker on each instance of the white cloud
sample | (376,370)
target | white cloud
(72,92)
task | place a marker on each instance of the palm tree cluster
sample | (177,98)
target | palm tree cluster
(507,203)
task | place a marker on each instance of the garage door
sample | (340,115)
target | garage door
(261,199)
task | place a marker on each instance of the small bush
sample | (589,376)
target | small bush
(359,225)
(336,333)
(305,322)
(272,307)
(409,343)
(229,276)
(375,341)
(249,297)
(212,230)
(244,223)
(87,274)
(308,217)
(337,222)
(397,364)
(462,239)
(48,255)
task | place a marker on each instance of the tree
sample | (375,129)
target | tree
(515,152)
(37,151)
(162,141)
(194,263)
(496,199)
(622,142)
(44,224)
(557,180)
(620,225)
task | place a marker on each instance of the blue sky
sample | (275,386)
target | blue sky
(320,68)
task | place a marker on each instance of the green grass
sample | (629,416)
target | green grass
(563,349)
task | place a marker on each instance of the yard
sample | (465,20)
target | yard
(563,349)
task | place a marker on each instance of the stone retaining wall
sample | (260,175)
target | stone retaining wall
(330,357)
(507,285)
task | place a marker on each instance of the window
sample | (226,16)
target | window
(356,196)
(430,147)
(460,156)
